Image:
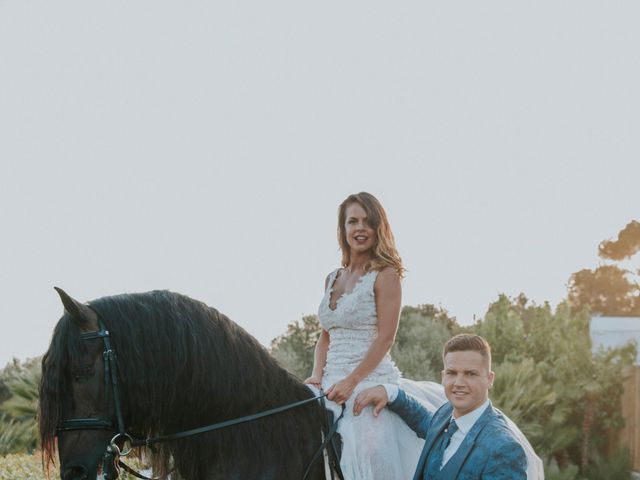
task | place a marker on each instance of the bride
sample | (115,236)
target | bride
(359,315)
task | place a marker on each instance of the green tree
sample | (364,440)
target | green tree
(422,332)
(417,350)
(610,289)
(295,348)
(565,397)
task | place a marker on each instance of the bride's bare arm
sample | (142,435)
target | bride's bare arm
(320,359)
(388,292)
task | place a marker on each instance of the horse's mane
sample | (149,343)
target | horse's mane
(183,365)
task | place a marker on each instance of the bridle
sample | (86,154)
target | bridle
(113,451)
(110,376)
(110,363)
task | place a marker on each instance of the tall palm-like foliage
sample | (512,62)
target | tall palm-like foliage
(18,427)
(520,391)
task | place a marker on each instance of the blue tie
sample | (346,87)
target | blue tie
(435,458)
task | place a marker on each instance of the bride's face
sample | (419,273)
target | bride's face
(361,237)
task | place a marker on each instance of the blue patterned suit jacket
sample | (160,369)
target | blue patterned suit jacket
(489,451)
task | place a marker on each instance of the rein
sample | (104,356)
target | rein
(227,423)
(113,451)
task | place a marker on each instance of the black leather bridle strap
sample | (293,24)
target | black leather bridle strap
(327,440)
(85,424)
(217,426)
(111,373)
(110,377)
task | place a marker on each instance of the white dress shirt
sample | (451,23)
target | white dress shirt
(465,423)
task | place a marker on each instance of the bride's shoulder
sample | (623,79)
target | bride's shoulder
(386,278)
(389,273)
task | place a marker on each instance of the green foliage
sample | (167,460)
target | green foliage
(422,332)
(417,350)
(15,436)
(553,472)
(616,467)
(570,404)
(295,349)
(18,427)
(520,391)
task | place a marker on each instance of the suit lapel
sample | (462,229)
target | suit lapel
(439,421)
(452,468)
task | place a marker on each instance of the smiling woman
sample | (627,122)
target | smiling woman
(359,315)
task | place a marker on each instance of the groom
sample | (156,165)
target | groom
(466,438)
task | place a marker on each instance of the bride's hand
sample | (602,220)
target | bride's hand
(315,380)
(341,391)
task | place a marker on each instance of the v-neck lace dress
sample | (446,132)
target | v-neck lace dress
(374,448)
(383,447)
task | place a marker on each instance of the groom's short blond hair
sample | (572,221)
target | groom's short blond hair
(466,341)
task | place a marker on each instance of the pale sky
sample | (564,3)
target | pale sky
(204,147)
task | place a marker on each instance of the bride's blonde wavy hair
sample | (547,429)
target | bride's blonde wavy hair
(385,253)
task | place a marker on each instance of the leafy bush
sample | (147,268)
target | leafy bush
(576,424)
(295,349)
(422,332)
(18,427)
(519,390)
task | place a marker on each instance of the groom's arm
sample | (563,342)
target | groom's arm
(412,412)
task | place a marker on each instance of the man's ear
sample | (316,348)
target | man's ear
(492,377)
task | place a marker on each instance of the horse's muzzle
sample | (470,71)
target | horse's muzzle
(75,472)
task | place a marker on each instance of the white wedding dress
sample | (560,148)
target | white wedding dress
(383,447)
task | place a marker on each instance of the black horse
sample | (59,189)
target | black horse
(180,365)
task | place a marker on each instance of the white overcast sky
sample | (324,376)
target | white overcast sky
(203,147)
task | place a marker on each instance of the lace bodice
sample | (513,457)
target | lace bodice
(352,327)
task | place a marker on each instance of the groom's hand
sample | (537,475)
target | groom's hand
(374,395)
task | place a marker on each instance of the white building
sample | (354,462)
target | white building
(609,332)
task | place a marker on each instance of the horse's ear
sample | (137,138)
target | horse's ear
(82,315)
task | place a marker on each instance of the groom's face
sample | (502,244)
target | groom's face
(466,378)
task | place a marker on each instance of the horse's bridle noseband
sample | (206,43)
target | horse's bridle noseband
(114,451)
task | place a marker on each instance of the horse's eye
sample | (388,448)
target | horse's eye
(82,373)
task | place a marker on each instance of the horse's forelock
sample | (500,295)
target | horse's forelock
(54,383)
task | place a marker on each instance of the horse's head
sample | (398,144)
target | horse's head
(77,403)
